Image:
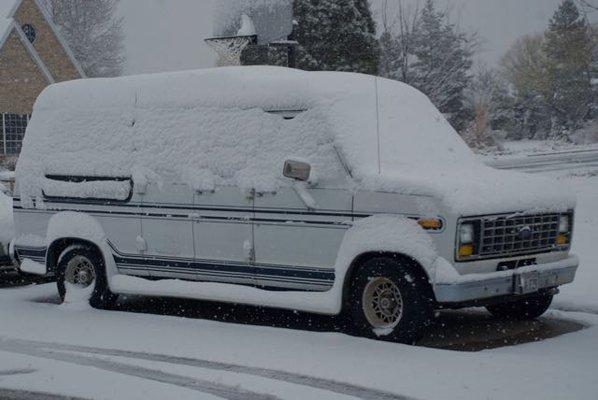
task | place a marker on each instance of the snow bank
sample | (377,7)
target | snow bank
(214,123)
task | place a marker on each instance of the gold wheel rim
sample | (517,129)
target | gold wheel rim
(382,303)
(80,272)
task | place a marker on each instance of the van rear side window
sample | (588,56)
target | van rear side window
(90,188)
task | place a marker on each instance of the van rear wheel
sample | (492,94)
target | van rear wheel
(81,269)
(388,302)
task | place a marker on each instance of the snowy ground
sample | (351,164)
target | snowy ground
(45,347)
(582,294)
(144,351)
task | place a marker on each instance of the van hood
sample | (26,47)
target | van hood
(482,191)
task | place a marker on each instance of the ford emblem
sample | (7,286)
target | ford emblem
(525,233)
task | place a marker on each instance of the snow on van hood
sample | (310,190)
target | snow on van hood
(479,191)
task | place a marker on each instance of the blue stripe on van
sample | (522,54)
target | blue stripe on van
(210,266)
(274,273)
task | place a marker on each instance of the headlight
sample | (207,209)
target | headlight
(466,234)
(564,224)
(565,227)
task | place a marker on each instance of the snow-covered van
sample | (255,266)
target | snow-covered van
(324,192)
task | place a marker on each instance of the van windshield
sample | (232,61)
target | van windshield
(392,128)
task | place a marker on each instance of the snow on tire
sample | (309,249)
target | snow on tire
(81,278)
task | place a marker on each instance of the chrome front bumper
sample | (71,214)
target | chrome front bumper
(484,286)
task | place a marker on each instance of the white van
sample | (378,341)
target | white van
(315,191)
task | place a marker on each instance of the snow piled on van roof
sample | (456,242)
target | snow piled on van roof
(342,105)
(212,124)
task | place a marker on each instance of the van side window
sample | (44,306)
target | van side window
(88,188)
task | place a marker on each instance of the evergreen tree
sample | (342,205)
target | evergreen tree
(336,35)
(443,59)
(568,49)
(396,41)
(390,56)
(488,91)
(490,108)
(524,66)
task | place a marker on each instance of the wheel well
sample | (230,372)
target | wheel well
(414,267)
(59,246)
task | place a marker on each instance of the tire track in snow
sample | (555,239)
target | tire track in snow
(216,389)
(9,394)
(298,379)
(12,372)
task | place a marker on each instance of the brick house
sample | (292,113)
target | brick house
(32,56)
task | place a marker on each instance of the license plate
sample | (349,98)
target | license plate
(527,282)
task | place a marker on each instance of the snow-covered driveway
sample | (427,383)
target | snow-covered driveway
(85,353)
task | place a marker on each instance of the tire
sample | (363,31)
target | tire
(378,281)
(524,309)
(88,259)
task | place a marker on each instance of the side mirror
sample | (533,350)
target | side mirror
(297,170)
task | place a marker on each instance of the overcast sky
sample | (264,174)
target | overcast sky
(166,35)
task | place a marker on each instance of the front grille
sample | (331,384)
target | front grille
(515,235)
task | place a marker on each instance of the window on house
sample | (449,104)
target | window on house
(12,131)
(30,32)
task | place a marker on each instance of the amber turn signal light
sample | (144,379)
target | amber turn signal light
(561,240)
(466,250)
(430,223)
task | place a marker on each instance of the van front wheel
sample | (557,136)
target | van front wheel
(81,273)
(388,302)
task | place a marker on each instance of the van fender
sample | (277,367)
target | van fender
(84,227)
(383,234)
